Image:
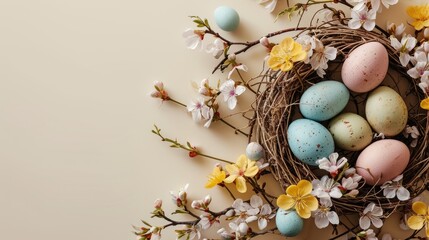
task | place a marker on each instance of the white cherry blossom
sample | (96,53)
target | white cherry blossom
(216,48)
(404,47)
(375,4)
(394,30)
(421,66)
(308,44)
(320,57)
(413,132)
(193,39)
(371,214)
(199,109)
(323,216)
(363,17)
(326,188)
(238,67)
(394,188)
(332,165)
(230,93)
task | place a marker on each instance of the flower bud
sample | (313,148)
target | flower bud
(207,200)
(426,33)
(155,94)
(230,213)
(264,42)
(204,91)
(231,57)
(158,85)
(182,196)
(196,204)
(158,203)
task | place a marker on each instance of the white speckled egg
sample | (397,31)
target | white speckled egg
(324,100)
(386,111)
(365,67)
(382,161)
(288,223)
(350,131)
(254,151)
(226,18)
(309,141)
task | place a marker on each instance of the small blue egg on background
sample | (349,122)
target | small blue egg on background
(289,224)
(309,141)
(324,100)
(254,151)
(226,18)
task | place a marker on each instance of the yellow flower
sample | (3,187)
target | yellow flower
(425,104)
(283,55)
(216,177)
(299,196)
(420,15)
(421,218)
(243,167)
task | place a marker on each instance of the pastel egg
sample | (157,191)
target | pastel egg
(324,100)
(309,141)
(365,67)
(288,223)
(350,131)
(226,18)
(254,151)
(382,161)
(386,111)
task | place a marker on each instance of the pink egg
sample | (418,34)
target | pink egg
(365,67)
(382,161)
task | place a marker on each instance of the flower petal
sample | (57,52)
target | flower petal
(310,202)
(304,187)
(232,169)
(240,184)
(232,102)
(403,194)
(285,202)
(239,90)
(321,221)
(333,217)
(262,223)
(377,222)
(420,208)
(425,104)
(364,222)
(302,210)
(415,222)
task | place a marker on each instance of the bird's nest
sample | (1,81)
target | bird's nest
(277,105)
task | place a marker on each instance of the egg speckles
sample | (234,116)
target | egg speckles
(350,131)
(309,141)
(324,100)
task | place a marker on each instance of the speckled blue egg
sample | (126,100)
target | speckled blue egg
(226,18)
(254,151)
(288,223)
(309,141)
(324,100)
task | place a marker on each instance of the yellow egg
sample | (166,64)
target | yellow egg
(386,111)
(382,161)
(350,132)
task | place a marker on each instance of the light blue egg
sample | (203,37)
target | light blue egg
(288,223)
(309,141)
(254,151)
(226,18)
(324,100)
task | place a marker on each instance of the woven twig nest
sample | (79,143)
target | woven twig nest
(277,105)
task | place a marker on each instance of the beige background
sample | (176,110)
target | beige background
(77,159)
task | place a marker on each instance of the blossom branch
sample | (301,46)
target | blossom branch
(193,151)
